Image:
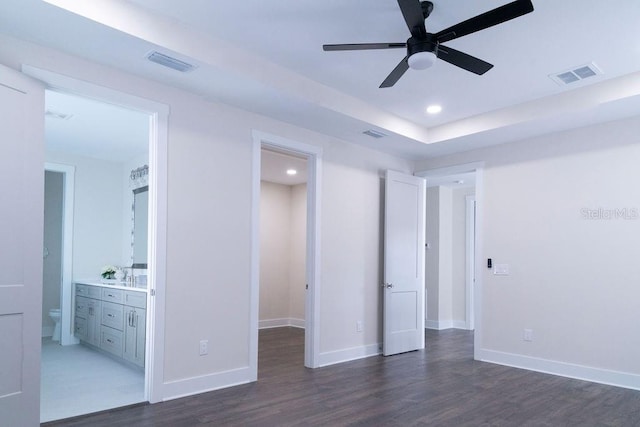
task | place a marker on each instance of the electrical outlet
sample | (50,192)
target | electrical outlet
(359,326)
(528,335)
(204,347)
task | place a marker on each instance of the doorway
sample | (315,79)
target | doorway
(452,283)
(283,211)
(89,164)
(311,157)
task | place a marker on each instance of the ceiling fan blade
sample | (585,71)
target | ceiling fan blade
(488,19)
(397,72)
(362,46)
(463,60)
(413,16)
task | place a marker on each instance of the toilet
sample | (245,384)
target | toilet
(54,314)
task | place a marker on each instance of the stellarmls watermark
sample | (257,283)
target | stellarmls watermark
(610,214)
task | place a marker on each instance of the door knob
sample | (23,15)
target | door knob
(387,285)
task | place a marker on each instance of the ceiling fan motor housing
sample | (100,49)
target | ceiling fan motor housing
(428,44)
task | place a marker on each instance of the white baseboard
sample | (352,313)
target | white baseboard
(196,385)
(346,355)
(563,369)
(47,331)
(445,324)
(281,323)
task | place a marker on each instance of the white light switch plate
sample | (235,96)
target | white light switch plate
(501,270)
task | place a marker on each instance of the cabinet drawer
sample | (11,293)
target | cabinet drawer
(112,295)
(80,328)
(111,341)
(88,291)
(112,315)
(82,307)
(135,299)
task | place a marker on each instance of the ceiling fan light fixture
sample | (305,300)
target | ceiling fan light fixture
(422,60)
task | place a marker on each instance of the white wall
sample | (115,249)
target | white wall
(445,273)
(446,257)
(209,227)
(275,250)
(459,255)
(52,264)
(298,248)
(572,280)
(97,218)
(282,254)
(432,257)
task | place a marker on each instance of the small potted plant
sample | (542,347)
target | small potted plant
(108,272)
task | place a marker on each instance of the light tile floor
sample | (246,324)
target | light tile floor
(78,380)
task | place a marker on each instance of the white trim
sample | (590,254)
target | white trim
(563,369)
(206,383)
(451,170)
(478,289)
(254,294)
(158,146)
(470,231)
(158,200)
(67,297)
(281,323)
(349,354)
(440,325)
(314,191)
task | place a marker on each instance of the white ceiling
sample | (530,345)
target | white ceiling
(274,167)
(267,57)
(95,129)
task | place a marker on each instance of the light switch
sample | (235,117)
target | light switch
(501,270)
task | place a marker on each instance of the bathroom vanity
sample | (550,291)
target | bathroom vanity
(112,318)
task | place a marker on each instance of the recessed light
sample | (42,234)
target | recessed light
(434,109)
(291,172)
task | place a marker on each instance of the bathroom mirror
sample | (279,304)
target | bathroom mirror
(139,233)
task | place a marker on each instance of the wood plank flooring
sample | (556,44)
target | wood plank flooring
(441,386)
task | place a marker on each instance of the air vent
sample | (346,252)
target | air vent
(374,133)
(168,61)
(576,74)
(51,114)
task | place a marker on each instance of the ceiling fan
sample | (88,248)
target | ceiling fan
(423,48)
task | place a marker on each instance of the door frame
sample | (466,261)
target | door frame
(158,151)
(66,290)
(312,300)
(470,243)
(478,169)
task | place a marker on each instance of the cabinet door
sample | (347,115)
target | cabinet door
(80,329)
(82,307)
(134,334)
(93,322)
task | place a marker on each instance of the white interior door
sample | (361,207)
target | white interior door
(21,231)
(404,228)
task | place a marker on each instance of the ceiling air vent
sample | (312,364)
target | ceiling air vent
(168,61)
(374,133)
(576,74)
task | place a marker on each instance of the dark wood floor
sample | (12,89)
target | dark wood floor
(441,386)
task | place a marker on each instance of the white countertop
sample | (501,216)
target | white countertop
(114,285)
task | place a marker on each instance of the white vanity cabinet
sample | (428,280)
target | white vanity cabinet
(118,322)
